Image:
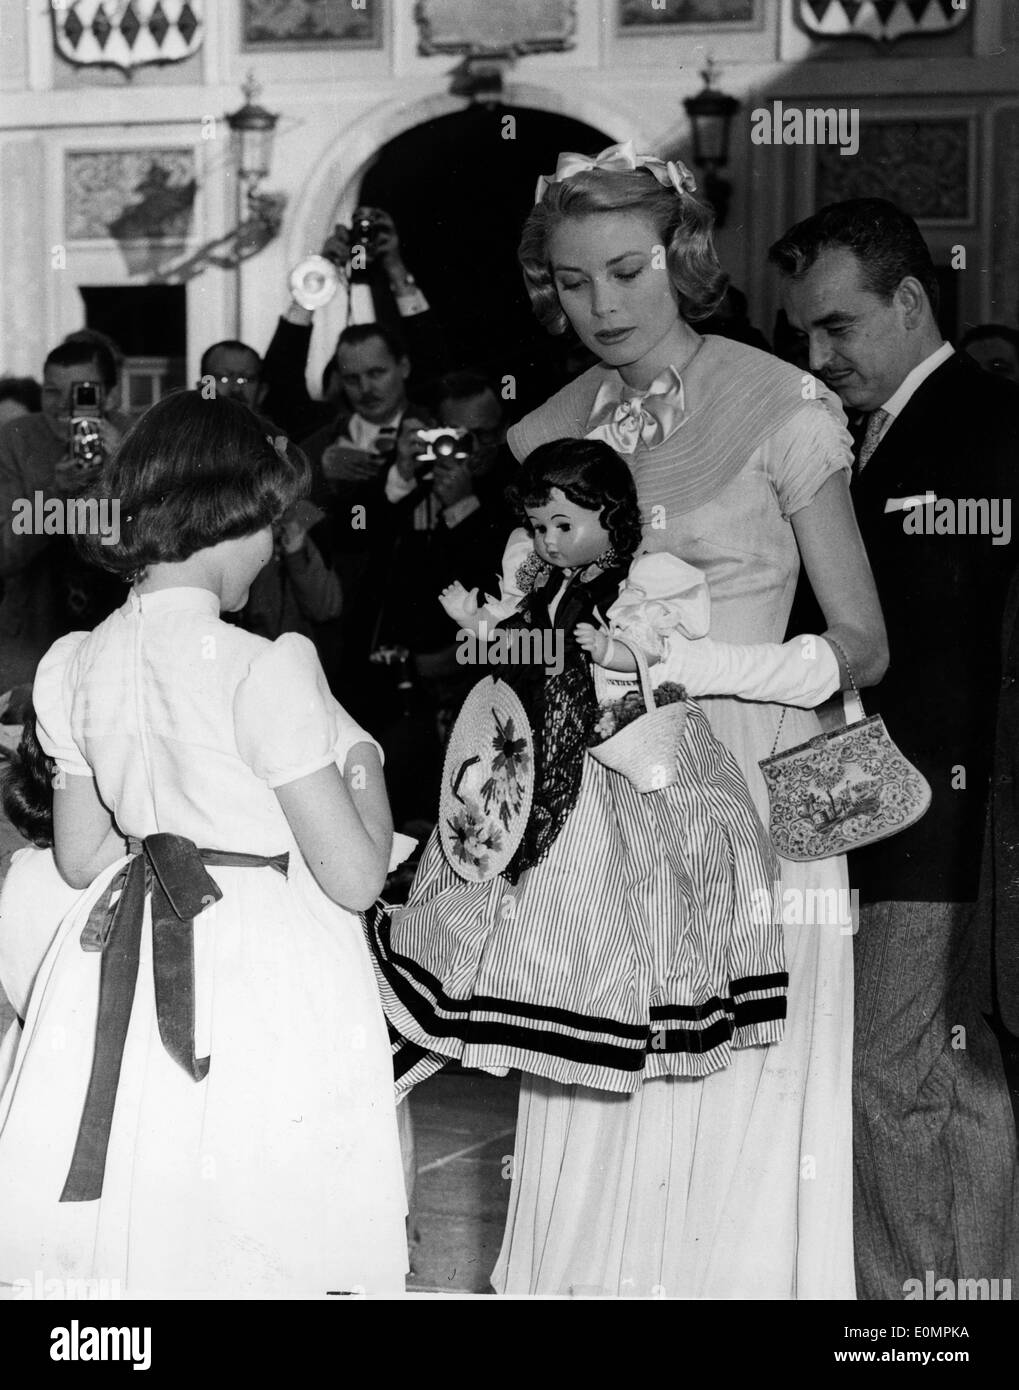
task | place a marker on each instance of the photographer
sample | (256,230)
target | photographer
(47,589)
(350,460)
(398,303)
(452,480)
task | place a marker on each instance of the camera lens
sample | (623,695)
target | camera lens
(445,446)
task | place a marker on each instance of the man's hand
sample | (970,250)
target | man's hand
(342,463)
(453,481)
(110,435)
(71,476)
(337,245)
(384,243)
(408,447)
(292,535)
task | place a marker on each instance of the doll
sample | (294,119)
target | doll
(632,934)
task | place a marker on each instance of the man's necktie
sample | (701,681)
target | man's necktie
(871,435)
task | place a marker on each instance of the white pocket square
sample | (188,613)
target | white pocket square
(918,499)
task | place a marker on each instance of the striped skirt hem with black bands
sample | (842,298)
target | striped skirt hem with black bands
(647,943)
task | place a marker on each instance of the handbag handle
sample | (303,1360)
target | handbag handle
(856,699)
(643,675)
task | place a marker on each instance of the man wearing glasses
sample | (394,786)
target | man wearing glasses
(233,369)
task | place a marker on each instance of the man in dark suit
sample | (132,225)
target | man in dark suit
(351,457)
(997,916)
(934,1144)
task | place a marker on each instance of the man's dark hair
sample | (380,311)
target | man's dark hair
(23,389)
(359,333)
(463,386)
(885,241)
(984,331)
(81,352)
(229,345)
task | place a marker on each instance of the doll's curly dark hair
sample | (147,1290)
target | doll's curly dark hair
(592,476)
(26,788)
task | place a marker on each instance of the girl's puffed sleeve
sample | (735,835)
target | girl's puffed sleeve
(661,594)
(287,722)
(52,695)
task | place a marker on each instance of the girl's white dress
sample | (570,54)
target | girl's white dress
(33,900)
(279,1174)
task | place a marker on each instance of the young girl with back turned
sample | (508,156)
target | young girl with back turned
(202,1101)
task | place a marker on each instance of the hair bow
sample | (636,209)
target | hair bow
(618,159)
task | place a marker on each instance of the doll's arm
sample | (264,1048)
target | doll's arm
(605,651)
(462,606)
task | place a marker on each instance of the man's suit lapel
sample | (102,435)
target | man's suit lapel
(904,464)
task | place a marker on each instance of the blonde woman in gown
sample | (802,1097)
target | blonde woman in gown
(739,1184)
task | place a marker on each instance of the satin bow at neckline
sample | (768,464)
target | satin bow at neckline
(625,418)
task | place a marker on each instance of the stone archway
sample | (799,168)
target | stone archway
(332,193)
(320,205)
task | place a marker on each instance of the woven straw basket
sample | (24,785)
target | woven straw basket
(644,751)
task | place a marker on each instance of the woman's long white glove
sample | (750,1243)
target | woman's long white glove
(803,672)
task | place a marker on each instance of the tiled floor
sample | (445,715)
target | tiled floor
(463,1127)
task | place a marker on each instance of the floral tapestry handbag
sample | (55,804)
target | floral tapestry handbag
(487,782)
(644,748)
(841,790)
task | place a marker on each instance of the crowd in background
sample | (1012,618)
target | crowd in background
(357,566)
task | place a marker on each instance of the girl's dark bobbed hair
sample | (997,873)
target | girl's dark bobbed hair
(26,788)
(682,221)
(592,476)
(192,472)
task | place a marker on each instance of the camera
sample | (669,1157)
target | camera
(445,442)
(363,231)
(86,442)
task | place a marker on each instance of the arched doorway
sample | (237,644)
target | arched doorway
(459,187)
